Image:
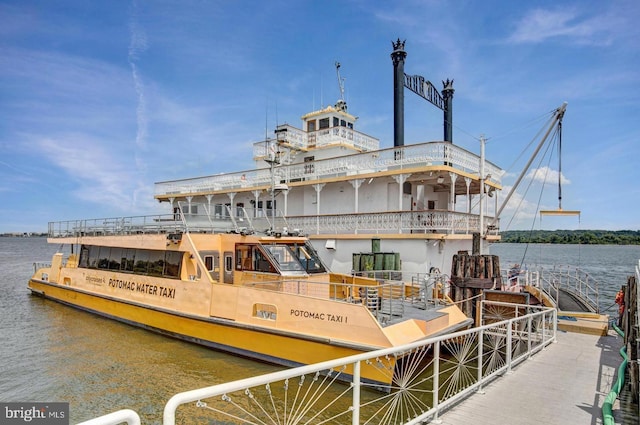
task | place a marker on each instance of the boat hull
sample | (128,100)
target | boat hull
(268,345)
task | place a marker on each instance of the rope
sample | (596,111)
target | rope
(609,308)
(467,299)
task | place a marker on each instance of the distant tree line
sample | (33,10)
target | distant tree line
(22,235)
(585,237)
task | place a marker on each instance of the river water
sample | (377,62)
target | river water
(609,265)
(53,353)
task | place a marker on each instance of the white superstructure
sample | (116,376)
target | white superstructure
(335,184)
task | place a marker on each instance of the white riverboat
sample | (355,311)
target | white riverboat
(419,204)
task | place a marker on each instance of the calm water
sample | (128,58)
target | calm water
(51,352)
(610,265)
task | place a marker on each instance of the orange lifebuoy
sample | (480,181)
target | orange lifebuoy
(620,301)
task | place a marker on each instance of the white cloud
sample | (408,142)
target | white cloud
(546,175)
(98,176)
(569,24)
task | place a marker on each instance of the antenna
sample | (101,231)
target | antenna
(266,120)
(341,105)
(340,81)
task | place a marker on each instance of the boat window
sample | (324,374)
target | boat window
(228,263)
(336,121)
(103,259)
(141,265)
(311,126)
(245,257)
(94,257)
(139,261)
(115,257)
(156,263)
(212,263)
(218,210)
(262,263)
(309,258)
(128,258)
(84,256)
(323,123)
(284,256)
(173,260)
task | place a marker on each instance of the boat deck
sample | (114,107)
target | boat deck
(566,383)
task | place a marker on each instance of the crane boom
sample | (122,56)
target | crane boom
(555,119)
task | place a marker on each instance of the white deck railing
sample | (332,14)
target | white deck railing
(161,223)
(397,158)
(300,139)
(426,221)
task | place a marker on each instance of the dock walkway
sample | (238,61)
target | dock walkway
(566,383)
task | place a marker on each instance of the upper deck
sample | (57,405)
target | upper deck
(418,158)
(328,178)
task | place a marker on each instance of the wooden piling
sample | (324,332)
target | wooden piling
(470,275)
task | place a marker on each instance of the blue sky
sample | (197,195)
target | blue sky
(99,100)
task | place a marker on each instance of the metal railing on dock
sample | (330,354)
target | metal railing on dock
(425,377)
(572,280)
(430,375)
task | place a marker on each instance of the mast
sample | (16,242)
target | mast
(557,118)
(341,105)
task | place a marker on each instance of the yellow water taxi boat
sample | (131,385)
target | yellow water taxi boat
(268,297)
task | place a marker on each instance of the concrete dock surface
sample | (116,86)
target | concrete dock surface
(566,383)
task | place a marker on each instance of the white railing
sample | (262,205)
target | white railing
(427,221)
(559,277)
(299,139)
(124,415)
(387,299)
(163,223)
(397,158)
(226,220)
(425,377)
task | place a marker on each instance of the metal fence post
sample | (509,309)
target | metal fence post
(509,343)
(355,418)
(480,361)
(529,332)
(436,378)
